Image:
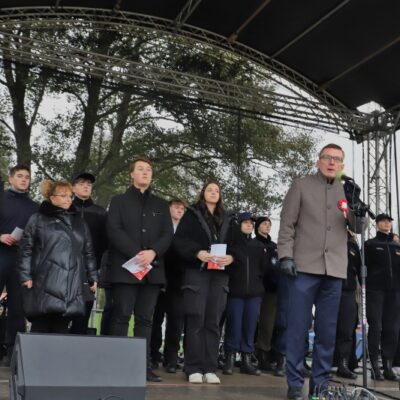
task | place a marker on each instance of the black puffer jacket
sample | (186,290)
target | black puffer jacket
(247,271)
(382,258)
(56,253)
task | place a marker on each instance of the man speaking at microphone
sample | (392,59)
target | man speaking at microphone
(312,246)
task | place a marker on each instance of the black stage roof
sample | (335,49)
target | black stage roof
(349,49)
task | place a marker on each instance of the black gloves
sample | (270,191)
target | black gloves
(288,267)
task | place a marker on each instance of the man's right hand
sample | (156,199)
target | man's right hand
(28,284)
(7,239)
(287,266)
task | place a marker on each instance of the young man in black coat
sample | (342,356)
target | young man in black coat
(138,225)
(95,217)
(15,209)
(268,311)
(170,303)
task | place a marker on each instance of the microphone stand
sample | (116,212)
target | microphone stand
(363,305)
(361,210)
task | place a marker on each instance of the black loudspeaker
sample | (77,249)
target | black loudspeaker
(73,367)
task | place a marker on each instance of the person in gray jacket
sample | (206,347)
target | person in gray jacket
(312,246)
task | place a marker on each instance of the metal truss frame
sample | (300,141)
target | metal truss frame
(300,102)
(307,105)
(377,150)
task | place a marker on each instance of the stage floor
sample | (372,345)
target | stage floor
(235,387)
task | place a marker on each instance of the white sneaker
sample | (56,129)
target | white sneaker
(210,377)
(196,378)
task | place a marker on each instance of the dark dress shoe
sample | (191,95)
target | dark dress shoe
(376,373)
(295,393)
(152,377)
(344,371)
(171,369)
(388,372)
(280,367)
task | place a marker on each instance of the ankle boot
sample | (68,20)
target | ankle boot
(264,363)
(229,363)
(343,369)
(375,370)
(280,366)
(246,367)
(388,372)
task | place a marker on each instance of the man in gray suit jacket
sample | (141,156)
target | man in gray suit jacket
(312,247)
(138,224)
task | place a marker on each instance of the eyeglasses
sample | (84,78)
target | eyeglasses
(64,196)
(335,159)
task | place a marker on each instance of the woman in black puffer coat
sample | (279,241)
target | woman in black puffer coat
(56,260)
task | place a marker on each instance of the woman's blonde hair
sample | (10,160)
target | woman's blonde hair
(48,187)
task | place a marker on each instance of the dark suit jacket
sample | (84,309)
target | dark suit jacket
(137,222)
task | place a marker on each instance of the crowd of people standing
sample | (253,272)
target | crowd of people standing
(208,272)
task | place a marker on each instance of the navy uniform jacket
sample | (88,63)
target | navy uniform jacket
(382,258)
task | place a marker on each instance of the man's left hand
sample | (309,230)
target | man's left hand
(146,257)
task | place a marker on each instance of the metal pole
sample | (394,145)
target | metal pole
(396,172)
(363,304)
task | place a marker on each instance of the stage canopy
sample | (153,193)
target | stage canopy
(344,53)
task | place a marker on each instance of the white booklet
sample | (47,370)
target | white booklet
(136,269)
(17,233)
(217,250)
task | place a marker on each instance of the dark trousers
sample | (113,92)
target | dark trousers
(346,325)
(50,324)
(156,329)
(241,323)
(174,327)
(80,324)
(266,323)
(15,313)
(141,300)
(279,343)
(204,302)
(383,315)
(105,327)
(304,291)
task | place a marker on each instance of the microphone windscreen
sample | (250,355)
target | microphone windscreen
(340,175)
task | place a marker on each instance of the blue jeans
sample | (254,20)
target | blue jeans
(241,322)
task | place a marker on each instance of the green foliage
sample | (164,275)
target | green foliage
(103,127)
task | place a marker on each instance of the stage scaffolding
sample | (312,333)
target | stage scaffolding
(300,102)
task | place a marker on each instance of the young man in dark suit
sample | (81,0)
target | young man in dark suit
(138,224)
(15,210)
(95,217)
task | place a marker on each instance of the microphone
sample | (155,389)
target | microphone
(341,176)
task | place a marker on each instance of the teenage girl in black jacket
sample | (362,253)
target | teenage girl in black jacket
(205,290)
